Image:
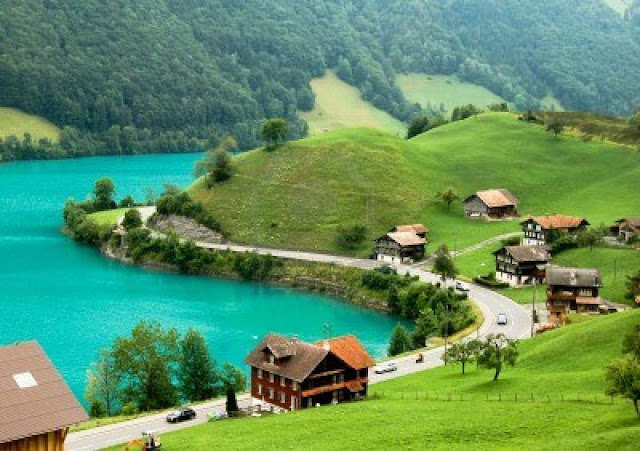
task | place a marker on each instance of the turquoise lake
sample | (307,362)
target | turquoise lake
(75,302)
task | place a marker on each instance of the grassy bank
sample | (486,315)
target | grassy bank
(16,122)
(553,368)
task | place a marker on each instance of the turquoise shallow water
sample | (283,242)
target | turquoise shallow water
(74,301)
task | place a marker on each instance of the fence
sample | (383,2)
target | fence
(591,398)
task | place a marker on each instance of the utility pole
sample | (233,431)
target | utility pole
(533,305)
(446,331)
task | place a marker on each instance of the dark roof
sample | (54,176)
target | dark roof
(308,356)
(280,346)
(527,253)
(34,399)
(350,351)
(558,221)
(404,238)
(297,367)
(576,277)
(495,198)
(632,222)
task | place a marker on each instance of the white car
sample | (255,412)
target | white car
(386,368)
(461,287)
(502,319)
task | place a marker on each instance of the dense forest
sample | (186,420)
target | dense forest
(133,76)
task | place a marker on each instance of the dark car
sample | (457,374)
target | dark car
(186,413)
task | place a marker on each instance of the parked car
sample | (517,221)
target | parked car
(502,319)
(386,368)
(461,287)
(186,413)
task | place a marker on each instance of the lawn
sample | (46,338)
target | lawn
(615,264)
(108,217)
(15,122)
(340,105)
(555,369)
(444,89)
(298,195)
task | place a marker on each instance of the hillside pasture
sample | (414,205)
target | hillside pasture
(16,122)
(339,105)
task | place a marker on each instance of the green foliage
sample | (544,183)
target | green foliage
(253,266)
(623,378)
(633,285)
(103,391)
(196,373)
(443,265)
(463,112)
(631,342)
(591,237)
(418,126)
(82,228)
(233,377)
(103,194)
(231,404)
(132,219)
(463,352)
(180,203)
(555,126)
(448,196)
(216,164)
(350,238)
(274,132)
(496,352)
(399,342)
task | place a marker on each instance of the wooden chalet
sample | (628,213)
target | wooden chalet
(572,290)
(493,203)
(290,374)
(36,406)
(398,247)
(418,229)
(521,265)
(626,229)
(536,229)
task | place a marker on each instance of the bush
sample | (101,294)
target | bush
(488,282)
(130,408)
(132,219)
(350,238)
(181,204)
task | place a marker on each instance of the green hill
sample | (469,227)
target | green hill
(298,195)
(15,122)
(555,369)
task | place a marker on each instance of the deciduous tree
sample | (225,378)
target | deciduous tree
(418,126)
(103,194)
(623,378)
(197,373)
(399,342)
(463,352)
(103,390)
(555,126)
(274,131)
(132,219)
(448,196)
(497,351)
(443,264)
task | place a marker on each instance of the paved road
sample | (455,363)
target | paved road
(490,302)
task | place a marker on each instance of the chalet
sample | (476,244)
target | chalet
(626,229)
(572,290)
(537,229)
(36,406)
(418,229)
(398,247)
(521,265)
(290,374)
(494,203)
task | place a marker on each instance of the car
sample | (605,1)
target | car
(502,319)
(386,368)
(186,413)
(461,287)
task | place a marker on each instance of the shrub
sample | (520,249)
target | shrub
(351,237)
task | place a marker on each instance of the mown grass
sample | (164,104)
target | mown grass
(108,217)
(298,195)
(615,264)
(339,105)
(554,367)
(16,122)
(444,89)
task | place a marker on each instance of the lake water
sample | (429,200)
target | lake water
(75,302)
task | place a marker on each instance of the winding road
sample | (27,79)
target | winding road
(490,302)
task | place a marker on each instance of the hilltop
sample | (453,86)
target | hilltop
(555,370)
(300,194)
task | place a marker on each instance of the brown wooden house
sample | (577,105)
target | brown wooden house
(626,229)
(290,374)
(572,290)
(36,406)
(537,229)
(521,265)
(398,247)
(493,203)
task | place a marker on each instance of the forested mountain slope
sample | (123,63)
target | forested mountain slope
(129,76)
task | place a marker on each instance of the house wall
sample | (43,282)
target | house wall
(285,396)
(51,441)
(474,207)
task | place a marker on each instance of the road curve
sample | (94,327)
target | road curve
(490,302)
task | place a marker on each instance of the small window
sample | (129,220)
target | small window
(271,393)
(294,385)
(271,358)
(283,397)
(260,373)
(260,389)
(271,378)
(283,381)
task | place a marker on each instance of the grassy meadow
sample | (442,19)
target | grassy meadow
(298,195)
(562,370)
(108,217)
(15,122)
(340,105)
(444,89)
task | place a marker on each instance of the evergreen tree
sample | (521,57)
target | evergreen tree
(399,342)
(232,402)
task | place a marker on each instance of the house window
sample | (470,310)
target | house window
(283,398)
(294,385)
(260,389)
(271,393)
(271,378)
(283,381)
(586,292)
(271,358)
(260,373)
(341,378)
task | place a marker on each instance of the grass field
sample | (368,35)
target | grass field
(445,89)
(108,217)
(15,122)
(563,364)
(298,195)
(615,264)
(339,105)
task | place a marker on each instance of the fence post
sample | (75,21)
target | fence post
(516,397)
(500,397)
(561,397)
